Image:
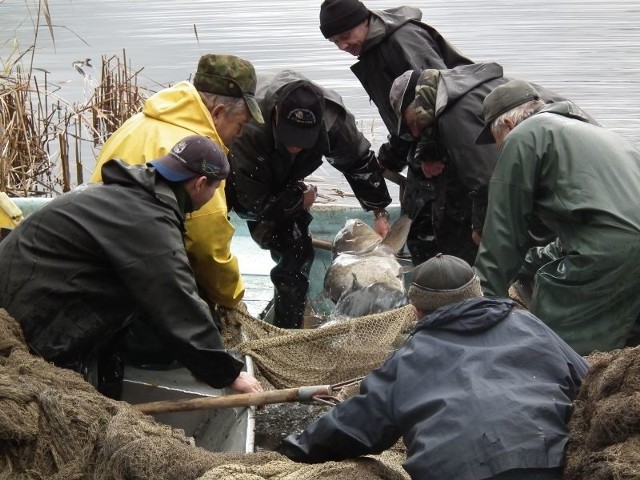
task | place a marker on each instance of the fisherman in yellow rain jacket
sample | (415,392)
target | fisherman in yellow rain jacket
(217,105)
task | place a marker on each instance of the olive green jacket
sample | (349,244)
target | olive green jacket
(583,181)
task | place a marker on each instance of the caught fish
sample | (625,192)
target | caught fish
(355,237)
(362,258)
(375,298)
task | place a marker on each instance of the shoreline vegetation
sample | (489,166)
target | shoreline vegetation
(42,136)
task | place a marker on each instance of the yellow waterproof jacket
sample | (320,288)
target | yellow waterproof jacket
(167,117)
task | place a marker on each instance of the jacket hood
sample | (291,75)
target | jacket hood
(471,316)
(383,23)
(566,109)
(457,82)
(116,171)
(267,92)
(267,95)
(176,106)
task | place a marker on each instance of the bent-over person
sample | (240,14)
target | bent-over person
(75,272)
(480,390)
(269,164)
(581,181)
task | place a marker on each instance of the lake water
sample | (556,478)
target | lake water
(588,50)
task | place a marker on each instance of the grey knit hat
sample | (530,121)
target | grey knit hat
(443,280)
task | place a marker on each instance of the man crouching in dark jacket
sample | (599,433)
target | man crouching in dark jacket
(481,390)
(303,123)
(75,271)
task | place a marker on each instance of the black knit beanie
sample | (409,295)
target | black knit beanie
(337,16)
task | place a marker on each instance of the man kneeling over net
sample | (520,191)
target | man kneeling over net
(481,390)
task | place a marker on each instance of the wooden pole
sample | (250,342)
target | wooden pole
(395,177)
(301,394)
(321,244)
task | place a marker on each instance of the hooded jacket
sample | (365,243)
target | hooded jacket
(397,41)
(167,117)
(74,271)
(479,388)
(264,183)
(580,180)
(453,100)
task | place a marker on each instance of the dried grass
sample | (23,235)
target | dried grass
(41,135)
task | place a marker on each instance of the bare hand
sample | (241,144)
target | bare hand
(309,196)
(432,169)
(246,383)
(476,237)
(382,226)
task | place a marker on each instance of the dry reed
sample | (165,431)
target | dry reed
(43,138)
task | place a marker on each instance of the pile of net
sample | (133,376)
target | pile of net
(54,425)
(605,425)
(330,354)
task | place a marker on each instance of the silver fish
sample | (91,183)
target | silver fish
(363,258)
(375,298)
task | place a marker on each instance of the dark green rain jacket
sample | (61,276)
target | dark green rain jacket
(583,181)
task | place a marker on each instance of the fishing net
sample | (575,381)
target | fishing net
(55,426)
(516,296)
(605,425)
(334,353)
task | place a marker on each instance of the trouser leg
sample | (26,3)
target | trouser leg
(290,278)
(440,210)
(291,249)
(421,240)
(452,237)
(102,367)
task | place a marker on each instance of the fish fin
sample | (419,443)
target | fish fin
(397,236)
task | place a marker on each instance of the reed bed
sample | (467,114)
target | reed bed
(43,138)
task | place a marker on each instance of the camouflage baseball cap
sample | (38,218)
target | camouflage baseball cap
(231,76)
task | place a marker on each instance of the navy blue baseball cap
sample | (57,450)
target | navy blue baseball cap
(193,156)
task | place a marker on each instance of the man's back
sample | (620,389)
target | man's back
(151,134)
(497,392)
(398,42)
(480,388)
(582,175)
(69,268)
(578,178)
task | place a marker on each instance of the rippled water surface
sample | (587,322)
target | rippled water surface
(588,50)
